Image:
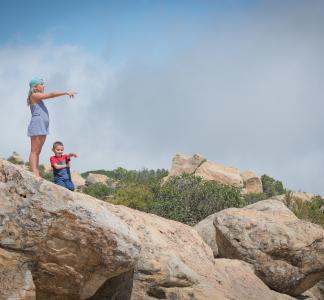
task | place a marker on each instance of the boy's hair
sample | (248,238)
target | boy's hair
(57,143)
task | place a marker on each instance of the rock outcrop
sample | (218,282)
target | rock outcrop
(16,158)
(208,170)
(77,179)
(219,173)
(186,164)
(93,178)
(252,182)
(287,253)
(69,246)
(207,231)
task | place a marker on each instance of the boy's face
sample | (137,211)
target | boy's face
(58,150)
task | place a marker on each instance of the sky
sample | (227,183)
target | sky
(239,82)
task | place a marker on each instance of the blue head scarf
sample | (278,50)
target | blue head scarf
(35,81)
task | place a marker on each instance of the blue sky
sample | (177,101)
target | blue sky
(239,82)
(117,29)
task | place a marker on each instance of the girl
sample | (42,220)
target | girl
(38,126)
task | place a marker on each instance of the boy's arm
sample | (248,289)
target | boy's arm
(55,165)
(59,167)
(72,155)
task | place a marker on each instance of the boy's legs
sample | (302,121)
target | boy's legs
(59,181)
(69,184)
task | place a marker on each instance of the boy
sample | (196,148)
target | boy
(61,166)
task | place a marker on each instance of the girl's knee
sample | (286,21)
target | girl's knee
(35,152)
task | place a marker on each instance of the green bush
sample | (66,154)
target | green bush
(254,197)
(312,211)
(138,196)
(14,161)
(189,199)
(144,176)
(46,175)
(272,187)
(98,190)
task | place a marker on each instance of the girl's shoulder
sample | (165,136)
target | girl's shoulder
(35,98)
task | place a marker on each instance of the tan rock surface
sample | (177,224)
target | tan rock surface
(16,280)
(77,179)
(207,231)
(252,182)
(239,283)
(96,178)
(316,292)
(287,253)
(187,164)
(175,264)
(219,173)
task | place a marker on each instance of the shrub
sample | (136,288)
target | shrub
(138,196)
(254,197)
(189,199)
(144,176)
(272,187)
(98,190)
(312,211)
(46,175)
(13,160)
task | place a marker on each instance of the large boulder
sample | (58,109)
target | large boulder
(287,253)
(71,240)
(69,246)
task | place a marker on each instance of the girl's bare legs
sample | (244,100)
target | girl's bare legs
(37,143)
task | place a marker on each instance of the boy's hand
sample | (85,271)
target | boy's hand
(73,155)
